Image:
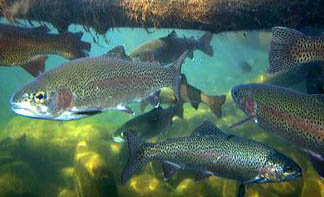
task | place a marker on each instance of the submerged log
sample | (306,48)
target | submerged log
(209,15)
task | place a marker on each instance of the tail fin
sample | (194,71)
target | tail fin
(215,103)
(36,65)
(175,70)
(204,44)
(280,56)
(136,157)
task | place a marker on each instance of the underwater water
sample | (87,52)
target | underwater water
(79,158)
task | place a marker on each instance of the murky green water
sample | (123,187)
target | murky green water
(79,158)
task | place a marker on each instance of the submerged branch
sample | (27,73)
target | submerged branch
(209,15)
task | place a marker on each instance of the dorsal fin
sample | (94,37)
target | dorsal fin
(207,128)
(118,52)
(173,34)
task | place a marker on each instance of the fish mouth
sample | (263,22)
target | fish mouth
(23,109)
(118,139)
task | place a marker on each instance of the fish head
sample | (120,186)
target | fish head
(279,168)
(119,136)
(37,100)
(243,96)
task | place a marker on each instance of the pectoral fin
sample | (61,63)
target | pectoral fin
(241,122)
(126,109)
(201,175)
(88,113)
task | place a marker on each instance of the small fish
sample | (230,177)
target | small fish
(167,49)
(210,151)
(293,116)
(193,96)
(91,85)
(245,67)
(28,47)
(149,124)
(291,48)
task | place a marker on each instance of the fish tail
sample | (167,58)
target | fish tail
(175,71)
(281,56)
(77,48)
(136,158)
(215,103)
(204,44)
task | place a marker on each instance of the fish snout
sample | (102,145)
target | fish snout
(119,136)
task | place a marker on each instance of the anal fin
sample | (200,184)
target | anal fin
(169,169)
(36,65)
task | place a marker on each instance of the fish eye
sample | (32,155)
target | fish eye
(122,134)
(288,169)
(40,97)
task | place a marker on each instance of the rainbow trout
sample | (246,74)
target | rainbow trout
(167,49)
(290,49)
(91,85)
(210,151)
(192,95)
(293,116)
(149,124)
(27,47)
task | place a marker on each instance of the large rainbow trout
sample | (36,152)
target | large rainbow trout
(90,85)
(293,116)
(210,151)
(27,47)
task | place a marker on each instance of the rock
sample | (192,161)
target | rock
(92,176)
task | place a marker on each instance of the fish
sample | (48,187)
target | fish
(245,67)
(167,49)
(192,95)
(90,85)
(294,117)
(210,151)
(29,47)
(289,49)
(149,124)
